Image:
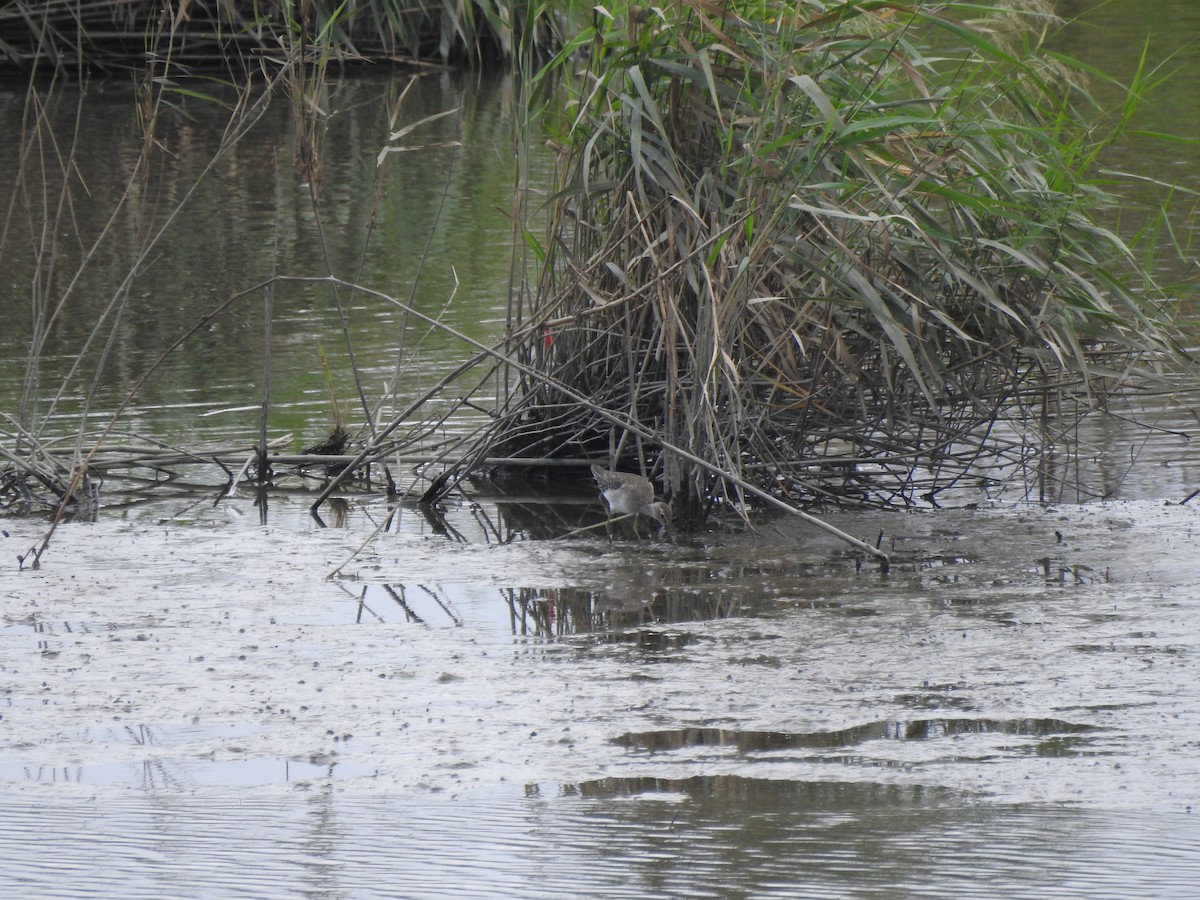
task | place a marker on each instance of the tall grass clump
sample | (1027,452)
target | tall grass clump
(856,233)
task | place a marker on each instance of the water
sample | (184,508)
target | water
(1113,37)
(203,695)
(445,197)
(690,842)
(1015,703)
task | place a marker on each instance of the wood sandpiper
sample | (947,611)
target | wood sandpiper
(633,495)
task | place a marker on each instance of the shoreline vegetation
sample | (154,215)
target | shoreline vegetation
(109,36)
(838,253)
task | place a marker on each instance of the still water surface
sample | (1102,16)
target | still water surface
(191,706)
(445,197)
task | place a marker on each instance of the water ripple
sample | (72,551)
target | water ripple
(696,838)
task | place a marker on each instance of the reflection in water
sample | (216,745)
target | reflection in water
(621,838)
(419,604)
(641,598)
(779,838)
(245,219)
(1054,736)
(617,617)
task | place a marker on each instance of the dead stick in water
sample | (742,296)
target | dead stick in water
(264,466)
